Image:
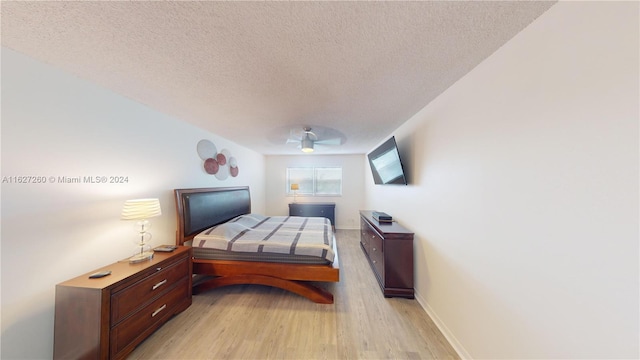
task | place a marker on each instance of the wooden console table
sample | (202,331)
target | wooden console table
(389,249)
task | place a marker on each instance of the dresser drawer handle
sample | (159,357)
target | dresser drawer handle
(374,249)
(159,309)
(159,284)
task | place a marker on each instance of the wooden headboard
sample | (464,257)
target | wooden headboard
(199,209)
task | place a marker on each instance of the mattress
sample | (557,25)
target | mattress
(255,237)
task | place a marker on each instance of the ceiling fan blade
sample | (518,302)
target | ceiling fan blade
(334,141)
(296,134)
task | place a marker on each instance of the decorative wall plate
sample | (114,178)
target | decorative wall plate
(220,164)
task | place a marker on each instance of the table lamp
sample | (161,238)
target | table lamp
(141,210)
(294,188)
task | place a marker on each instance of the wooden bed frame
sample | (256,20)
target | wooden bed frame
(199,209)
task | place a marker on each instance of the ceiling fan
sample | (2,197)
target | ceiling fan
(308,137)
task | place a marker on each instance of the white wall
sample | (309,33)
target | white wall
(524,194)
(347,205)
(54,124)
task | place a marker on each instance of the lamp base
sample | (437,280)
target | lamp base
(140,257)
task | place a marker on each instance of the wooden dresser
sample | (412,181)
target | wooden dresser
(326,210)
(107,318)
(389,249)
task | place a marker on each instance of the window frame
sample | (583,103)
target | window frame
(314,181)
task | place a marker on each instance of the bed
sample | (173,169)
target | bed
(204,214)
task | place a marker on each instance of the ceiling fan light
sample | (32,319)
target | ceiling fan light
(306,145)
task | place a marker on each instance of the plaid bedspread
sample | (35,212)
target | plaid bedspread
(311,236)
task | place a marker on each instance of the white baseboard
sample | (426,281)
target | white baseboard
(348,228)
(457,346)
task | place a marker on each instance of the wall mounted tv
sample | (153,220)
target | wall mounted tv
(386,164)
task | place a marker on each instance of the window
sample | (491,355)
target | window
(315,181)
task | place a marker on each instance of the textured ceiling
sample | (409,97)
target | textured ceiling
(244,70)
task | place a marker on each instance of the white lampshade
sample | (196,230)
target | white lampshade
(141,209)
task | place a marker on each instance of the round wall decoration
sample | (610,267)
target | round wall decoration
(211,166)
(220,164)
(233,166)
(222,159)
(206,149)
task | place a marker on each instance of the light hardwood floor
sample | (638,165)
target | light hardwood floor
(258,322)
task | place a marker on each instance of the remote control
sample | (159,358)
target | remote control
(100,274)
(165,248)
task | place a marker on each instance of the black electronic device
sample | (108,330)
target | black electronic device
(165,248)
(382,217)
(100,274)
(386,165)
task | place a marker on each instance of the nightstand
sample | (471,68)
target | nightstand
(106,318)
(326,210)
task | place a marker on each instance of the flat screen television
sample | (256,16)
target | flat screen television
(386,164)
